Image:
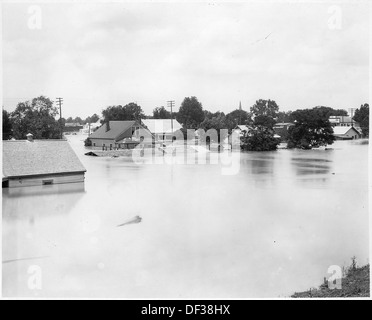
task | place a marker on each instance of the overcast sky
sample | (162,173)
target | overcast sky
(99,55)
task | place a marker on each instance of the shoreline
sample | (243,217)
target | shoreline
(354,284)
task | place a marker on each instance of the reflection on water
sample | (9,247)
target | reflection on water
(272,229)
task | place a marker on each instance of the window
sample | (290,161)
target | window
(47,182)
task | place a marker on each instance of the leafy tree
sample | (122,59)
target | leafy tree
(217,121)
(69,120)
(264,112)
(265,121)
(362,116)
(7,125)
(93,119)
(312,129)
(78,120)
(327,112)
(191,113)
(161,113)
(260,138)
(267,108)
(284,117)
(38,118)
(338,112)
(130,111)
(237,117)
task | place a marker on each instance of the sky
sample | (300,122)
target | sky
(301,55)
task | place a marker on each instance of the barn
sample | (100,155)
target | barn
(40,162)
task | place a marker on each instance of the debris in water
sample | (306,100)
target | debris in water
(136,219)
(23,259)
(90,153)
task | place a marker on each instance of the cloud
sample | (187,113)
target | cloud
(95,55)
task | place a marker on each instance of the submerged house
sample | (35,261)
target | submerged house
(162,129)
(40,162)
(346,133)
(242,130)
(116,134)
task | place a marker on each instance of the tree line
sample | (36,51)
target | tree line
(311,126)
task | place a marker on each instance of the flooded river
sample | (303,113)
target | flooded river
(271,229)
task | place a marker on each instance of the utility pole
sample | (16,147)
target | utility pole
(60,101)
(171,105)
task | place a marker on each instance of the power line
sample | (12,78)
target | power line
(60,102)
(171,105)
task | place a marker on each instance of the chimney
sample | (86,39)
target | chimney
(30,137)
(107,126)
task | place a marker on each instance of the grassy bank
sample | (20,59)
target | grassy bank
(355,284)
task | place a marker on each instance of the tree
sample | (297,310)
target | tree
(267,108)
(237,117)
(362,116)
(264,121)
(260,138)
(78,120)
(312,129)
(264,112)
(284,117)
(161,113)
(328,111)
(38,118)
(93,119)
(7,125)
(217,121)
(130,111)
(191,113)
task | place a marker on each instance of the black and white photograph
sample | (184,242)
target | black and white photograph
(176,150)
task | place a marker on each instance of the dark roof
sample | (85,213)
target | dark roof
(23,158)
(117,130)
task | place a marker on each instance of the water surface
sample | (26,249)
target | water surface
(272,229)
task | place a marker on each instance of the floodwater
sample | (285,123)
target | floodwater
(273,228)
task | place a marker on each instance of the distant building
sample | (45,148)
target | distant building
(116,134)
(343,121)
(72,127)
(346,133)
(89,128)
(281,129)
(40,162)
(242,130)
(161,129)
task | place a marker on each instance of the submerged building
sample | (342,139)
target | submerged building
(346,133)
(162,129)
(116,134)
(40,162)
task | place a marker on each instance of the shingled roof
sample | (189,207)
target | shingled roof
(118,130)
(41,157)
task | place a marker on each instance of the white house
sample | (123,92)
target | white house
(346,133)
(162,129)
